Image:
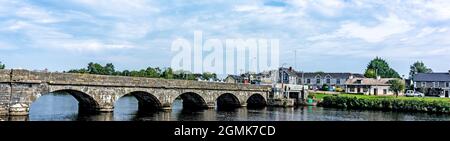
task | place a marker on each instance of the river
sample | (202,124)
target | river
(61,107)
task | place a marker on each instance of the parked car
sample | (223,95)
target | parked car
(411,93)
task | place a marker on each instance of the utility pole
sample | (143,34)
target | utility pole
(295,59)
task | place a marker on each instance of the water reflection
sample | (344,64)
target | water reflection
(61,107)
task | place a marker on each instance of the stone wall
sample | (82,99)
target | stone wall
(24,76)
(19,88)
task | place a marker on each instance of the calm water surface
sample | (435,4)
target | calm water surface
(62,107)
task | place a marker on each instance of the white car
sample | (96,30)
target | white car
(411,93)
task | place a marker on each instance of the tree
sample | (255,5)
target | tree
(2,66)
(370,73)
(78,71)
(153,72)
(168,73)
(109,69)
(209,76)
(325,87)
(126,73)
(95,68)
(381,68)
(397,86)
(418,67)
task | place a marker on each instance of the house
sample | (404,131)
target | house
(287,76)
(234,79)
(433,84)
(267,77)
(369,86)
(291,91)
(315,80)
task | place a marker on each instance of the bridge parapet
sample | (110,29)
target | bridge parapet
(19,88)
(25,76)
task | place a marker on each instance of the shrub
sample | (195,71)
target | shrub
(387,104)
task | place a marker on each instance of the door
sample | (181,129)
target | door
(446,94)
(375,91)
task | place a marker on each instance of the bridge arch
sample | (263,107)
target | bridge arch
(146,101)
(227,101)
(86,103)
(256,100)
(192,100)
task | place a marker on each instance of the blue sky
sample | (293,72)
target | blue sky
(329,35)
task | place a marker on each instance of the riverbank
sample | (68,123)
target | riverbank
(384,103)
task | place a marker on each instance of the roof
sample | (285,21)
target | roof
(235,77)
(343,75)
(289,71)
(432,77)
(369,81)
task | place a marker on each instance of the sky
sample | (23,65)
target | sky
(328,35)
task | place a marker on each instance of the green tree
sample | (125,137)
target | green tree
(397,86)
(168,73)
(2,66)
(381,68)
(325,87)
(95,68)
(153,72)
(418,67)
(370,73)
(209,76)
(78,71)
(126,73)
(109,69)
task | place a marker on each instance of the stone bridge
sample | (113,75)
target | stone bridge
(98,93)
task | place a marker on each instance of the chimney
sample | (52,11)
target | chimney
(290,68)
(448,71)
(378,77)
(350,77)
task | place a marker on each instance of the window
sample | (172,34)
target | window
(308,81)
(424,84)
(365,90)
(358,81)
(318,81)
(328,81)
(447,84)
(385,91)
(338,81)
(352,89)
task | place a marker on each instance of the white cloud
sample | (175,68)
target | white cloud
(120,8)
(36,14)
(52,38)
(5,46)
(258,9)
(132,30)
(324,7)
(388,26)
(439,8)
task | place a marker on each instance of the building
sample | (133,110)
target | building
(291,91)
(369,86)
(433,84)
(267,77)
(287,76)
(316,80)
(234,79)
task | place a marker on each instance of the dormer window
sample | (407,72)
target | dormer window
(358,81)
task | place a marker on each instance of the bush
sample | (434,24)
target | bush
(339,89)
(387,104)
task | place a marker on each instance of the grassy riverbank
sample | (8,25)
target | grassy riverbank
(387,103)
